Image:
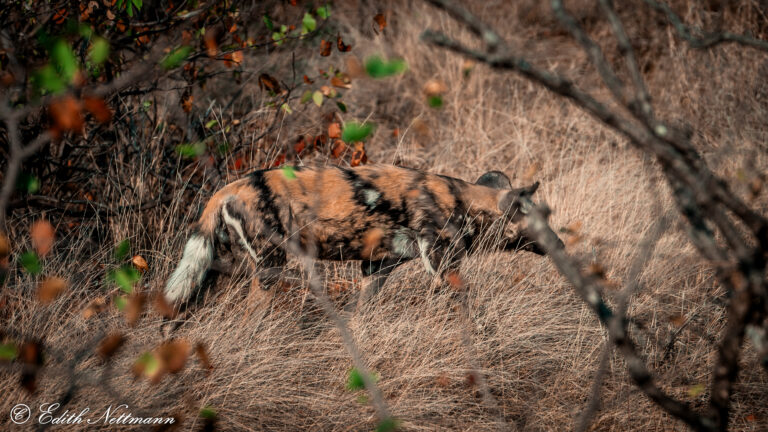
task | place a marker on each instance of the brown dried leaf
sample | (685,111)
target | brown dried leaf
(109,345)
(50,288)
(338,148)
(98,108)
(341,45)
(307,80)
(187,102)
(134,307)
(325,48)
(340,82)
(268,82)
(42,234)
(66,114)
(380,21)
(173,355)
(202,355)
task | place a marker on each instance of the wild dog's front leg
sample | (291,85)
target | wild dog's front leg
(376,274)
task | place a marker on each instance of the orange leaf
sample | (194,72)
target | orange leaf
(454,279)
(211,47)
(98,108)
(202,355)
(338,148)
(334,131)
(381,21)
(66,114)
(42,233)
(325,48)
(307,80)
(140,263)
(237,57)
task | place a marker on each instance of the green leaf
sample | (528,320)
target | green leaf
(176,57)
(306,97)
(323,11)
(308,23)
(287,108)
(278,38)
(289,172)
(317,98)
(64,60)
(99,50)
(120,302)
(129,9)
(191,150)
(342,106)
(28,183)
(211,123)
(49,80)
(435,101)
(8,351)
(354,132)
(125,277)
(355,379)
(85,31)
(30,262)
(122,250)
(138,4)
(376,67)
(150,363)
(268,22)
(389,424)
(119,3)
(208,413)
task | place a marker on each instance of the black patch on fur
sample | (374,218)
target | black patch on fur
(382,205)
(266,204)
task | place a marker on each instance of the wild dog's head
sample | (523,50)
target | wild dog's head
(515,204)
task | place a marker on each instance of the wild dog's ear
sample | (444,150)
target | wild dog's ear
(494,179)
(511,202)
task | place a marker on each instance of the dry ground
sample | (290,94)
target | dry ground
(536,343)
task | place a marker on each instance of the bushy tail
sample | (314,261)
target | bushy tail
(189,274)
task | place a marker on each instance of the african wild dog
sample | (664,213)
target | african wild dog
(382,215)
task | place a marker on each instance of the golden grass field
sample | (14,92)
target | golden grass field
(534,340)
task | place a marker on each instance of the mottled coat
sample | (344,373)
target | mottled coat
(380,214)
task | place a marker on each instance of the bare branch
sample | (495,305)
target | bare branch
(706,39)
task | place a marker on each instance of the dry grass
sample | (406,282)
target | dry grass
(537,344)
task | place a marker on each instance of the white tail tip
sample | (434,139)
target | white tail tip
(195,262)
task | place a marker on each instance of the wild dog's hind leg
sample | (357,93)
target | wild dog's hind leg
(264,258)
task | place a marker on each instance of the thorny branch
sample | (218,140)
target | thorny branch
(703,198)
